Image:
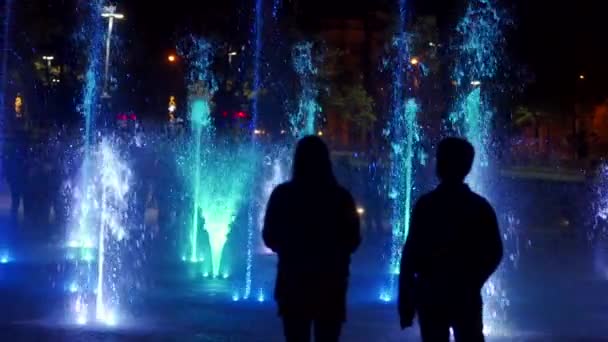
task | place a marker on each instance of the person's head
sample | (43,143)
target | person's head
(311,162)
(454,159)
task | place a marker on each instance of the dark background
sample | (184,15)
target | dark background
(549,45)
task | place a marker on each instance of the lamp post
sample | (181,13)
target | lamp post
(109,12)
(231,55)
(49,62)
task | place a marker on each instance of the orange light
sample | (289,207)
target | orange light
(414,61)
(18,106)
(172,58)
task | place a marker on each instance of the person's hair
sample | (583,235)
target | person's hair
(454,159)
(311,162)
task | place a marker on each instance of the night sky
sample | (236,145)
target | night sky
(550,44)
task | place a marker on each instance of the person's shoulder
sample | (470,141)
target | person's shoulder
(283,188)
(343,193)
(481,201)
(429,197)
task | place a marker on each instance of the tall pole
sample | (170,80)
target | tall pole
(107,62)
(110,13)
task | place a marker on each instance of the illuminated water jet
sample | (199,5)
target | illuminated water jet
(218,183)
(202,85)
(224,184)
(304,120)
(103,207)
(404,135)
(275,163)
(480,46)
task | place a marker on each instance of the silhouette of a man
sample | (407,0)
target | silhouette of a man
(453,247)
(312,224)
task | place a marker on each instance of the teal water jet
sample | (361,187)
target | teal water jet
(480,47)
(198,53)
(218,170)
(404,136)
(304,120)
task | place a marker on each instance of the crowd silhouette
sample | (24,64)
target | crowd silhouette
(452,248)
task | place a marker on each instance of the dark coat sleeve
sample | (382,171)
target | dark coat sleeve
(409,260)
(271,233)
(352,224)
(492,249)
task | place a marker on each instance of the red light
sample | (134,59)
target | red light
(121,116)
(133,117)
(241,115)
(225,114)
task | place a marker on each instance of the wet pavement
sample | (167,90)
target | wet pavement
(556,293)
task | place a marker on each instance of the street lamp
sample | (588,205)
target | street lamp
(475,83)
(109,12)
(171,58)
(414,61)
(581,76)
(230,55)
(172,108)
(48,59)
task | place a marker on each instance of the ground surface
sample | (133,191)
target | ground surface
(555,295)
(557,292)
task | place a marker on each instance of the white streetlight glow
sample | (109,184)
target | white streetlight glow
(49,63)
(109,12)
(112,15)
(230,55)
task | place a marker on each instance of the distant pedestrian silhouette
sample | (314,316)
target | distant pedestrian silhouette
(453,247)
(313,226)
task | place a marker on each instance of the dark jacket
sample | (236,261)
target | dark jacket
(453,247)
(314,229)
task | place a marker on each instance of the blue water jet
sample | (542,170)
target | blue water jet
(480,46)
(198,53)
(404,136)
(257,31)
(276,7)
(92,35)
(304,120)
